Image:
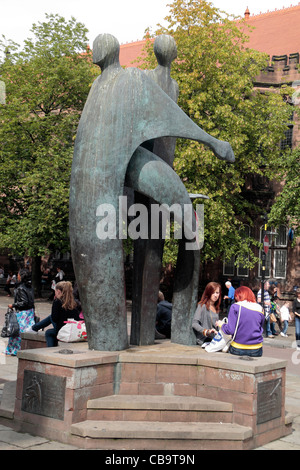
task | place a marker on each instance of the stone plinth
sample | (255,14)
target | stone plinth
(254,388)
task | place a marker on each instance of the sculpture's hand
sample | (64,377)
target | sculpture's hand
(223,150)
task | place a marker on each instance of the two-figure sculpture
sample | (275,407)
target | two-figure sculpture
(121,140)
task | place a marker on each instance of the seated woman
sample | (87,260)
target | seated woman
(207,313)
(64,307)
(249,335)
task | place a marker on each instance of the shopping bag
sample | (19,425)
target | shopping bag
(73,331)
(218,343)
(11,325)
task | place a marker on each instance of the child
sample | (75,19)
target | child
(285,318)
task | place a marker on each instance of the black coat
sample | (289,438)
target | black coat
(164,318)
(23,297)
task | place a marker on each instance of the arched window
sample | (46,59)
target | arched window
(276,258)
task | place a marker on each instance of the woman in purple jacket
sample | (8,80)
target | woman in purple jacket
(249,336)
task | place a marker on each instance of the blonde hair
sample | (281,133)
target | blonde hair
(67,298)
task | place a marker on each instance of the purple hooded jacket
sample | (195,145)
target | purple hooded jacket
(250,329)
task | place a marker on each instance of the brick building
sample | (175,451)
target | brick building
(277,34)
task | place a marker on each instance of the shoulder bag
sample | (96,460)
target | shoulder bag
(11,325)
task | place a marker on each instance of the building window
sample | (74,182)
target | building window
(287,141)
(228,266)
(276,258)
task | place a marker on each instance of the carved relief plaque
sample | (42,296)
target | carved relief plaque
(43,394)
(269,400)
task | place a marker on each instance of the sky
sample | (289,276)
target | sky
(127,20)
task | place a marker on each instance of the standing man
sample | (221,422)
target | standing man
(270,327)
(230,296)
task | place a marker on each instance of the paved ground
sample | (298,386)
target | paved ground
(278,347)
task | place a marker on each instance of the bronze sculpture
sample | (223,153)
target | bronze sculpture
(125,109)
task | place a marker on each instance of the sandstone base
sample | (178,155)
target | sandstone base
(164,396)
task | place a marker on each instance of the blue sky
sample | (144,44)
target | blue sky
(125,19)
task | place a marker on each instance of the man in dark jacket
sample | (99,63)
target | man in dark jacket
(163,318)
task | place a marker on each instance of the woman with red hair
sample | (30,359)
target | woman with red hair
(207,313)
(249,336)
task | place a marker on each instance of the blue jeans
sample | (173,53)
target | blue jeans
(42,324)
(50,334)
(246,352)
(285,325)
(297,329)
(270,327)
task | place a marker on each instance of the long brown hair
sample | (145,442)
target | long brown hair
(208,292)
(67,298)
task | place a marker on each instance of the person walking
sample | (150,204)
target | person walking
(24,307)
(270,327)
(296,311)
(285,318)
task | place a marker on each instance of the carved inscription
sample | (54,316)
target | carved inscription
(43,394)
(269,400)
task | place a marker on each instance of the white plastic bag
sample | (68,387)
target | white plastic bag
(73,331)
(218,343)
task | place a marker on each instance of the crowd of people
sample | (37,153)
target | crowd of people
(248,319)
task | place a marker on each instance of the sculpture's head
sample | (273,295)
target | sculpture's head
(106,49)
(165,49)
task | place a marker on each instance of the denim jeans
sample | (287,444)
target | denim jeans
(50,334)
(270,327)
(297,329)
(285,325)
(42,324)
(246,352)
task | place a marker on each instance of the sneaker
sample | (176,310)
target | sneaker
(283,334)
(30,330)
(270,336)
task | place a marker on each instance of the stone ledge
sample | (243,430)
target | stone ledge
(164,353)
(158,402)
(161,430)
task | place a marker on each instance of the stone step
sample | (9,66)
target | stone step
(161,435)
(158,408)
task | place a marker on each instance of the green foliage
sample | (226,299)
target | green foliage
(46,87)
(286,209)
(215,71)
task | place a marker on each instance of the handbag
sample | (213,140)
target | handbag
(73,331)
(273,319)
(221,341)
(11,326)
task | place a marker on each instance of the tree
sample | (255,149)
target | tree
(215,71)
(46,87)
(286,209)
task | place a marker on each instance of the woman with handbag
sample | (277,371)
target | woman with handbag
(207,313)
(249,334)
(64,307)
(24,307)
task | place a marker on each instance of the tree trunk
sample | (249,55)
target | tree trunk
(36,276)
